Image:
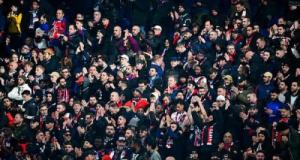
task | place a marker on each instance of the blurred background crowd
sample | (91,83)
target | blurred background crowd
(150,79)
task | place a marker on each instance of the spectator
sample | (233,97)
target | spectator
(59,25)
(149,79)
(49,61)
(31,18)
(31,109)
(16,92)
(292,96)
(266,87)
(151,147)
(228,147)
(14,23)
(290,140)
(20,130)
(62,91)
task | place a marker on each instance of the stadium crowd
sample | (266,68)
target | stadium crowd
(149,79)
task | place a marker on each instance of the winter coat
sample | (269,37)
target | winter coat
(14,23)
(31,109)
(16,92)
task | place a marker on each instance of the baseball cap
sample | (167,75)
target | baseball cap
(220,98)
(39,31)
(155,94)
(55,74)
(121,138)
(228,77)
(157,27)
(268,74)
(124,56)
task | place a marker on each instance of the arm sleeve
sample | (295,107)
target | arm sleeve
(134,44)
(19,18)
(197,120)
(13,94)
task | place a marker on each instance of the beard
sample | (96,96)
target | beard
(38,39)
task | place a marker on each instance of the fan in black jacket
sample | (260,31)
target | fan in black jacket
(31,109)
(210,131)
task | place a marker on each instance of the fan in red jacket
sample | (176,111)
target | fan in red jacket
(137,101)
(59,25)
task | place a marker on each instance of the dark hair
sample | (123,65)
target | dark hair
(36,1)
(137,141)
(111,125)
(192,83)
(38,132)
(144,80)
(26,92)
(61,10)
(44,105)
(76,102)
(72,24)
(181,102)
(151,142)
(250,26)
(261,151)
(281,25)
(261,38)
(275,91)
(240,3)
(21,115)
(62,104)
(68,143)
(81,21)
(90,114)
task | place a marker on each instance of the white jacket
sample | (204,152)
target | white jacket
(16,92)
